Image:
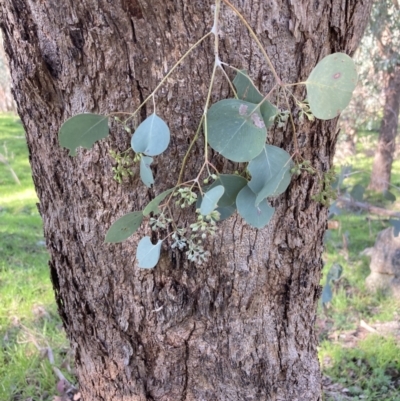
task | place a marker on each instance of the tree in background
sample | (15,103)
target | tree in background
(6,100)
(384,28)
(241,325)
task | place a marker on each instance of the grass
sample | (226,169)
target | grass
(366,365)
(29,325)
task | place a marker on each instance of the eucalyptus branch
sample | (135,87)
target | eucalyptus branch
(169,73)
(254,36)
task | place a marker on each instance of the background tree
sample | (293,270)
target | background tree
(384,28)
(6,100)
(239,327)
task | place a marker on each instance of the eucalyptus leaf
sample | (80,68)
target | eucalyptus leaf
(235,130)
(226,211)
(124,227)
(257,216)
(396,226)
(210,199)
(327,295)
(247,91)
(390,196)
(147,253)
(270,172)
(146,175)
(152,206)
(82,130)
(357,192)
(331,85)
(151,137)
(232,184)
(334,273)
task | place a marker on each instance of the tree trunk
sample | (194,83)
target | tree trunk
(382,166)
(240,327)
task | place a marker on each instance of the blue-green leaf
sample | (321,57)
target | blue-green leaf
(147,253)
(270,172)
(151,137)
(232,185)
(124,227)
(331,85)
(146,174)
(389,196)
(248,92)
(152,206)
(357,192)
(82,130)
(326,294)
(257,216)
(210,200)
(235,130)
(396,226)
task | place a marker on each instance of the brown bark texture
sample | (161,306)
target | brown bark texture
(240,327)
(383,159)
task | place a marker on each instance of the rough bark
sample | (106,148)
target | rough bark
(383,159)
(240,327)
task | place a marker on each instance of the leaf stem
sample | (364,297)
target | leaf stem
(252,33)
(169,73)
(296,145)
(180,177)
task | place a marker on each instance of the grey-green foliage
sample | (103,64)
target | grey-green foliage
(124,227)
(247,91)
(151,137)
(146,175)
(148,253)
(257,216)
(82,130)
(357,192)
(334,274)
(236,129)
(232,185)
(331,85)
(270,172)
(210,200)
(152,207)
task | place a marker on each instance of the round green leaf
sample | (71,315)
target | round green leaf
(151,137)
(210,200)
(331,85)
(146,175)
(247,91)
(326,295)
(257,216)
(232,185)
(152,206)
(226,211)
(235,131)
(270,172)
(147,253)
(82,130)
(124,227)
(357,192)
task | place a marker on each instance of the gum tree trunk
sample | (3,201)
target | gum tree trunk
(382,166)
(240,327)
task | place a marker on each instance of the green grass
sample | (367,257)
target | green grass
(370,369)
(29,323)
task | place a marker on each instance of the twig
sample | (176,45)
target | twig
(366,206)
